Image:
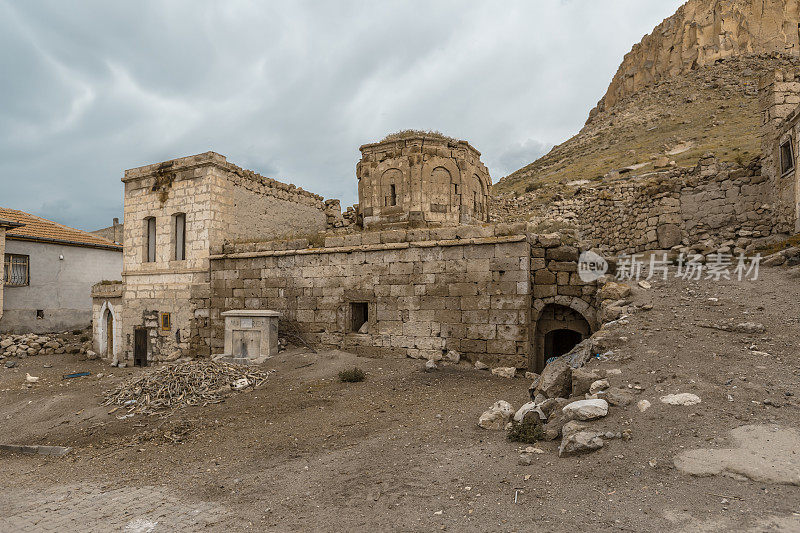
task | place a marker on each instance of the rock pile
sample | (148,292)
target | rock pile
(30,344)
(569,399)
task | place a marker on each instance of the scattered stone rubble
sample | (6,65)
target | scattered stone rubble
(31,344)
(568,398)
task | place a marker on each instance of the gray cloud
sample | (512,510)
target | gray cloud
(289,89)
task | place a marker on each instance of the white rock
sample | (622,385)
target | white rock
(430,365)
(645,284)
(531,449)
(684,398)
(481,366)
(613,372)
(505,371)
(598,386)
(527,408)
(31,379)
(643,405)
(453,356)
(586,409)
(497,416)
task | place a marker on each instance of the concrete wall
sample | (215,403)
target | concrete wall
(61,288)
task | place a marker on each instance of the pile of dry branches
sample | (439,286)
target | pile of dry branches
(182,384)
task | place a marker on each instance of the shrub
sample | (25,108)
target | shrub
(534,186)
(527,432)
(353,375)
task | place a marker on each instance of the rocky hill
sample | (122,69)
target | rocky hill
(688,88)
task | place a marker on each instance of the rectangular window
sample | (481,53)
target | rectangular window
(391,200)
(787,157)
(16,270)
(150,239)
(359,315)
(180,237)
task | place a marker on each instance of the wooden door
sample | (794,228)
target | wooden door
(109,334)
(140,347)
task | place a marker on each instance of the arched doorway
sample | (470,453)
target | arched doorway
(558,330)
(107,331)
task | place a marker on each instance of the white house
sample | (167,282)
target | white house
(48,273)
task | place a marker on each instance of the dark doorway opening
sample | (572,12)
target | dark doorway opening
(359,315)
(558,329)
(140,347)
(560,341)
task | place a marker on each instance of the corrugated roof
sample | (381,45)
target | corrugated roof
(43,230)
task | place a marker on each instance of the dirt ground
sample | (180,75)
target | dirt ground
(401,451)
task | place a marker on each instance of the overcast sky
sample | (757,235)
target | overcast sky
(289,89)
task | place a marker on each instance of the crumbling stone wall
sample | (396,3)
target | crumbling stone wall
(713,202)
(422,180)
(465,288)
(250,203)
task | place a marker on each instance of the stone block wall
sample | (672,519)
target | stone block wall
(222,203)
(716,202)
(472,289)
(780,99)
(422,180)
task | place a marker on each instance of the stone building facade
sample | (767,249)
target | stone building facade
(422,180)
(203,237)
(780,96)
(175,212)
(479,290)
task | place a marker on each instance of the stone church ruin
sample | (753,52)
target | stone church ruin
(414,269)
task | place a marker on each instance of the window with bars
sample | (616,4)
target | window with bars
(16,270)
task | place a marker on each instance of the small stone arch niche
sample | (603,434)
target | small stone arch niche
(558,329)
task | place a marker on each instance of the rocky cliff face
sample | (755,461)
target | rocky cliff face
(688,88)
(700,33)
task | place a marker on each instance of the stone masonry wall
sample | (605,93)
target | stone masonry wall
(255,207)
(2,256)
(222,203)
(434,179)
(780,97)
(713,203)
(428,291)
